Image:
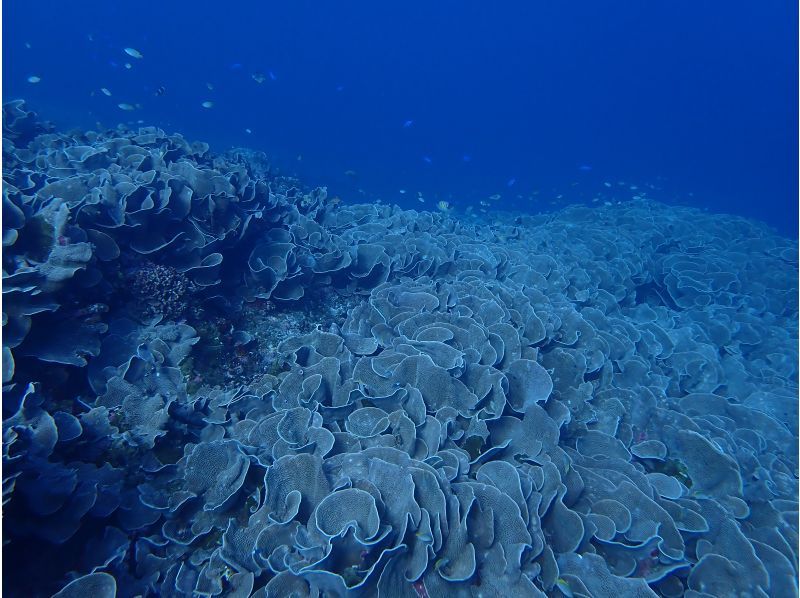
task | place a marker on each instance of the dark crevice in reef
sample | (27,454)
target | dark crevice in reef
(653,294)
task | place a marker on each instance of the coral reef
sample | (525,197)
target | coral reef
(342,400)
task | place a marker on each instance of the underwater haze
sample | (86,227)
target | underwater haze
(695,98)
(406,300)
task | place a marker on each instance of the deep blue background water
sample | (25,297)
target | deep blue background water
(696,98)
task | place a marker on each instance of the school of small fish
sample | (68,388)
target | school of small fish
(446,206)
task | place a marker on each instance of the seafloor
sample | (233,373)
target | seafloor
(218,382)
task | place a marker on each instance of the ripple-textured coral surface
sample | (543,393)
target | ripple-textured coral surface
(217,382)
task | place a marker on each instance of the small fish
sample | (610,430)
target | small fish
(421,199)
(584,168)
(128,65)
(484,203)
(259,77)
(510,182)
(28,45)
(607,184)
(350,173)
(236,66)
(127,107)
(248,131)
(210,87)
(466,158)
(444,206)
(299,157)
(427,159)
(563,585)
(402,191)
(133,52)
(34,79)
(90,37)
(105,91)
(494,197)
(408,123)
(207,104)
(161,91)
(340,88)
(272,76)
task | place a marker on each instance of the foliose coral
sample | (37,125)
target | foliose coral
(595,402)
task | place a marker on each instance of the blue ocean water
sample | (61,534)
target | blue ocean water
(407,300)
(695,99)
